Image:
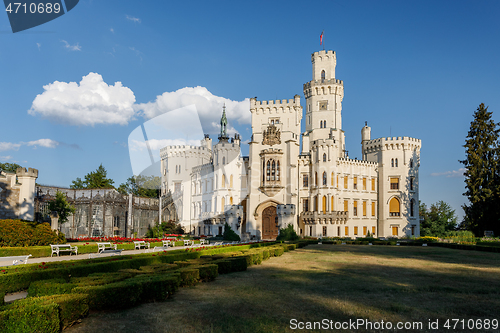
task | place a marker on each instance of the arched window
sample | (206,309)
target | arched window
(396,163)
(231,181)
(412,207)
(321,124)
(332,206)
(392,162)
(231,200)
(315,179)
(332,178)
(268,171)
(273,171)
(222,204)
(394,207)
(324,178)
(223,160)
(324,204)
(411,162)
(316,203)
(322,76)
(324,157)
(278,170)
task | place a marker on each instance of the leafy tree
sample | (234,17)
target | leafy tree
(229,234)
(10,167)
(169,227)
(142,186)
(482,174)
(62,207)
(95,179)
(438,220)
(287,234)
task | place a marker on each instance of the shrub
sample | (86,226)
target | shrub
(208,272)
(30,316)
(50,287)
(287,234)
(157,287)
(189,276)
(24,233)
(461,237)
(229,234)
(116,295)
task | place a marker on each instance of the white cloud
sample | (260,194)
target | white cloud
(209,107)
(75,47)
(47,143)
(9,146)
(5,158)
(90,102)
(39,46)
(133,19)
(450,174)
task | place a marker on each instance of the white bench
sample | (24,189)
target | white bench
(188,242)
(16,260)
(203,242)
(166,243)
(58,248)
(112,252)
(105,246)
(160,248)
(139,244)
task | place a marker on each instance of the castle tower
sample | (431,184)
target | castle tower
(324,94)
(27,179)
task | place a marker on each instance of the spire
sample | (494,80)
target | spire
(223,124)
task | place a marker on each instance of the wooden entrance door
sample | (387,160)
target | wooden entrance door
(269,227)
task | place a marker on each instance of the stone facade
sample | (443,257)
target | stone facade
(319,190)
(17,193)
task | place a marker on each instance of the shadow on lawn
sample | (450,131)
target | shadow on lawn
(266,297)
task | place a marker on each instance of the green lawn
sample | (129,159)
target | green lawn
(333,282)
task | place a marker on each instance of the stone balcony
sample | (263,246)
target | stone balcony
(335,217)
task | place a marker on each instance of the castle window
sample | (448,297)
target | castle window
(394,183)
(346,231)
(321,124)
(223,181)
(396,162)
(316,203)
(373,231)
(316,179)
(373,208)
(322,76)
(394,231)
(355,208)
(278,170)
(345,181)
(231,200)
(222,204)
(411,162)
(324,204)
(346,204)
(411,183)
(331,208)
(355,231)
(324,231)
(231,181)
(324,159)
(116,222)
(412,230)
(355,183)
(364,209)
(364,230)
(305,180)
(332,178)
(373,184)
(392,162)
(394,207)
(268,171)
(412,207)
(273,171)
(223,160)
(306,205)
(324,178)
(364,184)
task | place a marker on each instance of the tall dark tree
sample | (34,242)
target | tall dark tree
(94,179)
(63,208)
(482,174)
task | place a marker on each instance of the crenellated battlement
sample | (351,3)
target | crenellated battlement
(393,143)
(22,172)
(275,106)
(322,53)
(184,151)
(348,161)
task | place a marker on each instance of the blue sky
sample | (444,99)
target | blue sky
(410,68)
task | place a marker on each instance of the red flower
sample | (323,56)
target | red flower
(3,270)
(43,263)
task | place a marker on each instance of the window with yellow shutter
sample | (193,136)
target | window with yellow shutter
(364,184)
(373,208)
(364,208)
(394,183)
(355,183)
(373,231)
(345,181)
(347,231)
(364,230)
(373,184)
(345,205)
(394,207)
(355,231)
(355,208)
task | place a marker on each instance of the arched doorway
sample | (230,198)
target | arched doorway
(269,227)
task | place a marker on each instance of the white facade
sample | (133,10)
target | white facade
(319,190)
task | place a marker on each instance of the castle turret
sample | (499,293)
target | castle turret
(27,179)
(365,137)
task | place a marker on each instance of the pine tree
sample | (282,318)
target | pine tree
(95,179)
(482,174)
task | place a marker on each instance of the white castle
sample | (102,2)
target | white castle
(320,191)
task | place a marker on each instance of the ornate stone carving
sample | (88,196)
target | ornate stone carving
(272,136)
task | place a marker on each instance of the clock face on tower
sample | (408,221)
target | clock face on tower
(323,105)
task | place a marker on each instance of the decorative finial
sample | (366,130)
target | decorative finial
(223,123)
(366,123)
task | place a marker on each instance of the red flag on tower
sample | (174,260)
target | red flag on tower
(321,38)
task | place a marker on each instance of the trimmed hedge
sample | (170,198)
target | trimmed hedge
(25,233)
(50,287)
(157,287)
(30,315)
(117,295)
(208,272)
(189,276)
